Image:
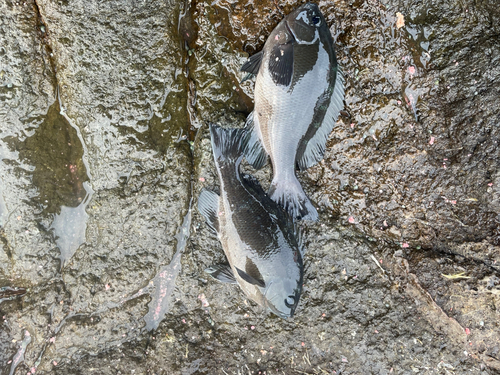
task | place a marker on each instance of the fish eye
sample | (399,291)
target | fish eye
(288,303)
(315,20)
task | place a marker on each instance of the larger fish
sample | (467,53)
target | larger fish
(257,235)
(299,93)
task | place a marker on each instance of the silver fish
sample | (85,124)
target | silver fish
(258,237)
(299,92)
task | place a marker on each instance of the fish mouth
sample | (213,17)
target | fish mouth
(277,312)
(281,314)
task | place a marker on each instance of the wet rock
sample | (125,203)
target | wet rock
(418,165)
(400,269)
(26,92)
(95,112)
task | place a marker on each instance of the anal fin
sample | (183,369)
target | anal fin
(316,146)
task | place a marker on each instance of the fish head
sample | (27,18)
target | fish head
(306,23)
(282,295)
(276,286)
(282,292)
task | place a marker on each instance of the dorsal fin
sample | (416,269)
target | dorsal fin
(208,205)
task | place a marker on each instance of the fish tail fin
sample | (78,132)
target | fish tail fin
(226,143)
(291,196)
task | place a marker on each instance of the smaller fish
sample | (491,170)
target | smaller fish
(259,238)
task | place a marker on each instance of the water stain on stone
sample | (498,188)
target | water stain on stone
(162,126)
(60,174)
(19,357)
(56,154)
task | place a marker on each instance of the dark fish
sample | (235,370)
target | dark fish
(257,235)
(299,93)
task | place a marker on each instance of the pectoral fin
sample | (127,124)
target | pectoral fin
(250,279)
(253,64)
(221,272)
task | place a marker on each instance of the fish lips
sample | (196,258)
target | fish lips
(304,23)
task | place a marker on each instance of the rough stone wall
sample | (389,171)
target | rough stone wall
(103,111)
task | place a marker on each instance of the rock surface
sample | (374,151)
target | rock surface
(92,141)
(104,149)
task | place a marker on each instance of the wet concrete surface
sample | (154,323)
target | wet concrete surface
(104,107)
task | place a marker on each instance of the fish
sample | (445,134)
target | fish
(261,242)
(299,93)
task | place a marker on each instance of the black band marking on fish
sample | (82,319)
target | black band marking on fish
(313,144)
(304,60)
